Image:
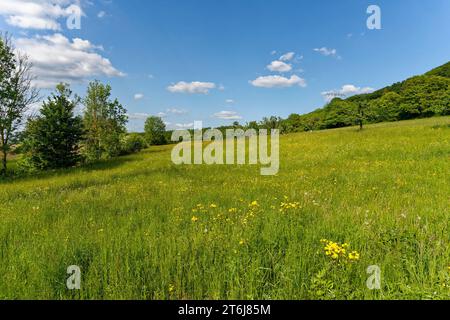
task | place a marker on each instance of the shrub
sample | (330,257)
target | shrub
(133,143)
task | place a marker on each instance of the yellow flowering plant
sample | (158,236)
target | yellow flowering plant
(339,252)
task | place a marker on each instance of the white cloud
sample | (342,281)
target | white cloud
(56,59)
(138,96)
(171,111)
(287,56)
(37,14)
(231,101)
(278,82)
(326,52)
(101,14)
(176,111)
(279,66)
(192,87)
(227,115)
(346,91)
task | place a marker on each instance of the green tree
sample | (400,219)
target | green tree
(341,113)
(16,94)
(252,125)
(386,108)
(155,131)
(271,123)
(52,139)
(104,122)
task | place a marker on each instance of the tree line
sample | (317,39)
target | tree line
(57,137)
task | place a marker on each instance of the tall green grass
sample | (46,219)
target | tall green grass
(142,228)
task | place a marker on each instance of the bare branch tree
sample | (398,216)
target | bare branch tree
(17,93)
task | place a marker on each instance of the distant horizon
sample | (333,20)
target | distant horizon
(224,62)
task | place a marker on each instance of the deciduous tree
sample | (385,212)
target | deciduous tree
(16,94)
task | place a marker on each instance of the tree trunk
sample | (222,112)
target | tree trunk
(4,163)
(4,152)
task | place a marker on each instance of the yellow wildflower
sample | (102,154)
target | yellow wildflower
(171,288)
(194,219)
(354,256)
(254,204)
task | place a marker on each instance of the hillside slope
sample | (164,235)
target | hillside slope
(417,97)
(140,227)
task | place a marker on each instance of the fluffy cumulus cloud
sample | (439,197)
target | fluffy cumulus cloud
(138,96)
(56,59)
(38,14)
(227,115)
(346,91)
(326,52)
(278,82)
(279,66)
(195,87)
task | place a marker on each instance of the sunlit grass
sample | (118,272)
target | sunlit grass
(142,228)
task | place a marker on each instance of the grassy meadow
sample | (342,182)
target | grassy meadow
(142,228)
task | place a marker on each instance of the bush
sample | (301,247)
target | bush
(133,143)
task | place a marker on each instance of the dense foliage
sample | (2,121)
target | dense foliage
(418,97)
(155,131)
(132,143)
(16,95)
(104,121)
(52,139)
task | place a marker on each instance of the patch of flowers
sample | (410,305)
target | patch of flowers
(287,205)
(339,252)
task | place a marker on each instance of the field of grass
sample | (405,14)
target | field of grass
(142,228)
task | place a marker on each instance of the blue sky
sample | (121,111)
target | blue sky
(158,50)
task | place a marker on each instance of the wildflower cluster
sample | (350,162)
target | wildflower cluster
(253,208)
(339,252)
(286,205)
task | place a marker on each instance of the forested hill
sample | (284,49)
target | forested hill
(442,71)
(417,97)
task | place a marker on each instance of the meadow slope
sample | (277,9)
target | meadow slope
(142,228)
